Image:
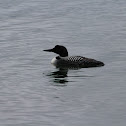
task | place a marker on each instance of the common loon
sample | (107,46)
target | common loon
(63,60)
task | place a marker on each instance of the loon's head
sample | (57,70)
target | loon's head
(61,50)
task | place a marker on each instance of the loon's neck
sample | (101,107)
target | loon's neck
(60,57)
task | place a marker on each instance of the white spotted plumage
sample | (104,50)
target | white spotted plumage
(75,61)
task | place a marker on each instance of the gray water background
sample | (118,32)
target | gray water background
(35,93)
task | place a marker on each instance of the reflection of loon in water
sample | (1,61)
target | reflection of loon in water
(61,73)
(59,76)
(63,60)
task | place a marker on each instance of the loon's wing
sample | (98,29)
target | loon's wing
(78,62)
(84,62)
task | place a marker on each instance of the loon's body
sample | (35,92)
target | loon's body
(63,60)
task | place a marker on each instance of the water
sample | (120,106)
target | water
(35,93)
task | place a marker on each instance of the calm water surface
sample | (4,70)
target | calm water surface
(35,93)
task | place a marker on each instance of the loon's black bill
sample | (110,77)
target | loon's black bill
(48,50)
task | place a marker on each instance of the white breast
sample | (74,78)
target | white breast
(54,61)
